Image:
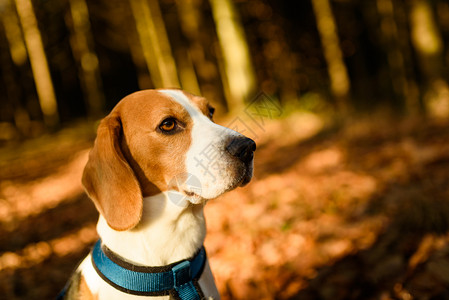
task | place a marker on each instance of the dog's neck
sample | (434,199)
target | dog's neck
(169,231)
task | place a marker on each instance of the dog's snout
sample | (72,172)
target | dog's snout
(242,148)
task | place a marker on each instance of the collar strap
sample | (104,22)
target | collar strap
(179,279)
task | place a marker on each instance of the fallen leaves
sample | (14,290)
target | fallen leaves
(353,212)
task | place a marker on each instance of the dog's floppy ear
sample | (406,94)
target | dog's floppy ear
(109,180)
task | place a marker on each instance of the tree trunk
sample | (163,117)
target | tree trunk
(155,44)
(237,65)
(428,44)
(338,73)
(38,61)
(82,45)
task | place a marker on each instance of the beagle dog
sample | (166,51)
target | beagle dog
(157,159)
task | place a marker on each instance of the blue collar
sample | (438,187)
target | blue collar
(179,279)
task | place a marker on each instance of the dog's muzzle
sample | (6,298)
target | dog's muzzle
(243,148)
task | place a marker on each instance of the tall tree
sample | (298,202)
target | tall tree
(390,40)
(187,75)
(155,43)
(38,61)
(327,29)
(11,63)
(82,45)
(427,41)
(16,43)
(238,68)
(200,37)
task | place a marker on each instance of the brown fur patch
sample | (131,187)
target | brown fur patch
(84,291)
(155,157)
(78,289)
(200,102)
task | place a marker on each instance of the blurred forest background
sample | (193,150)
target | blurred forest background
(348,101)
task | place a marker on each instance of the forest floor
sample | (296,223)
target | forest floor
(354,211)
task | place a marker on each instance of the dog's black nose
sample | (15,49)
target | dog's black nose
(242,148)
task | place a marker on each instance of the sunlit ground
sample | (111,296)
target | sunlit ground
(356,211)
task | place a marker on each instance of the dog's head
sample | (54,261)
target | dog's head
(162,140)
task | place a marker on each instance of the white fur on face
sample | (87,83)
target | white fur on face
(207,160)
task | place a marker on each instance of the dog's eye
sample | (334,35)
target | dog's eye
(211,112)
(168,125)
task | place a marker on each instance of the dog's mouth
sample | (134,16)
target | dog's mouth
(190,194)
(196,192)
(246,179)
(193,197)
(246,174)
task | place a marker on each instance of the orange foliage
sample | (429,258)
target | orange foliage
(352,212)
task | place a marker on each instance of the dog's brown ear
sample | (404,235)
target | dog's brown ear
(109,180)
